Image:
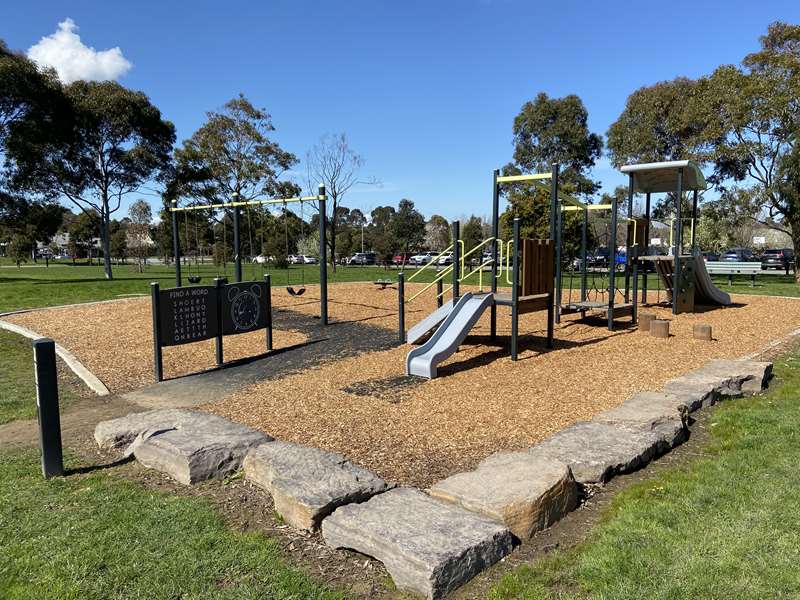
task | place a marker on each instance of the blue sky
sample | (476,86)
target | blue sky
(426,91)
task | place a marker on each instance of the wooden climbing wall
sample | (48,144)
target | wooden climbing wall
(537,272)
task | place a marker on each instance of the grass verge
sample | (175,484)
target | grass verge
(722,526)
(99,536)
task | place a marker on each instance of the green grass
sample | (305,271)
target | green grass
(99,536)
(17,391)
(724,526)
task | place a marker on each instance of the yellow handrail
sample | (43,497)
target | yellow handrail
(444,272)
(432,261)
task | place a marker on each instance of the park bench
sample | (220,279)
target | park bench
(734,268)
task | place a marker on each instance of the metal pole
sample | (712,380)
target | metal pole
(515,292)
(268,308)
(176,245)
(676,248)
(237,256)
(323,257)
(401,306)
(646,245)
(219,282)
(628,263)
(44,365)
(456,259)
(612,269)
(495,235)
(558,240)
(584,244)
(694,221)
(439,293)
(553,199)
(158,363)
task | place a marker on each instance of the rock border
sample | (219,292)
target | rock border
(433,541)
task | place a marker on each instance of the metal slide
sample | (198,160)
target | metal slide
(423,361)
(418,331)
(705,291)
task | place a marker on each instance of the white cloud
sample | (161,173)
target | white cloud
(66,53)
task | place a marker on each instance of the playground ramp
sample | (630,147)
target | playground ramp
(418,331)
(424,360)
(706,293)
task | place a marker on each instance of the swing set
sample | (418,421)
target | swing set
(235,207)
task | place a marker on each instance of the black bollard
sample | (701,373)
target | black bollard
(44,362)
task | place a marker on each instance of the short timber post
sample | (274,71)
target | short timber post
(44,363)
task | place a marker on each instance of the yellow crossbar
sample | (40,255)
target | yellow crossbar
(247,203)
(588,207)
(533,177)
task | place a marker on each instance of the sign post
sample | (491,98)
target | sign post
(44,360)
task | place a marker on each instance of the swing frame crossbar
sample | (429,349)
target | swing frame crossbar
(320,198)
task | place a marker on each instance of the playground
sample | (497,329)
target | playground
(408,429)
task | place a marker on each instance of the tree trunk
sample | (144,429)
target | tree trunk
(105,226)
(795,225)
(332,242)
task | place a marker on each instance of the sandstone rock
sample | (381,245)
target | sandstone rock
(118,434)
(307,484)
(208,447)
(526,492)
(750,376)
(429,546)
(597,451)
(663,414)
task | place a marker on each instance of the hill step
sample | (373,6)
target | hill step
(663,414)
(307,484)
(429,546)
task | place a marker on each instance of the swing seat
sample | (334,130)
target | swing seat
(194,278)
(295,292)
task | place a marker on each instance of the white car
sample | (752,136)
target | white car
(445,259)
(421,259)
(301,259)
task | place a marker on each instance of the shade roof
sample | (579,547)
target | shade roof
(661,177)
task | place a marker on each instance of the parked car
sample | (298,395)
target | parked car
(445,259)
(777,258)
(737,255)
(260,259)
(401,258)
(362,258)
(710,256)
(422,258)
(304,259)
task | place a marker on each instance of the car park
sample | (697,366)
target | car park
(737,255)
(710,256)
(421,259)
(445,259)
(362,258)
(401,258)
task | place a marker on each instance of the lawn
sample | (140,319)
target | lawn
(724,526)
(99,536)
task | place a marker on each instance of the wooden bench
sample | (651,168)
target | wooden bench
(734,268)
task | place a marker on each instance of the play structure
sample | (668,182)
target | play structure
(235,207)
(684,276)
(526,264)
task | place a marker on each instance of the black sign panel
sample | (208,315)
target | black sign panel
(188,314)
(244,307)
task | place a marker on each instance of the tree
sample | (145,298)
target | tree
(754,112)
(472,233)
(408,226)
(82,232)
(309,244)
(333,163)
(118,142)
(381,237)
(437,233)
(139,240)
(119,242)
(546,131)
(660,123)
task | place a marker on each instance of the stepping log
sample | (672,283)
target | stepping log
(528,493)
(665,415)
(188,446)
(645,319)
(429,546)
(597,451)
(702,332)
(307,484)
(659,328)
